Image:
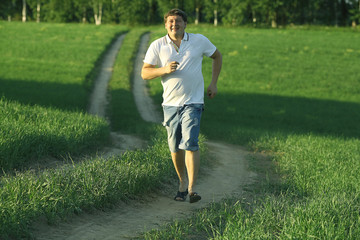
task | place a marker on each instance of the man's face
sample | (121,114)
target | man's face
(175,26)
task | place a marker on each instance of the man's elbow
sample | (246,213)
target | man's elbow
(217,59)
(217,55)
(144,76)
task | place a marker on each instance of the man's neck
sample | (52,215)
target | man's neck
(176,39)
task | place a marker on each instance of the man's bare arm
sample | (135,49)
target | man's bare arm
(216,68)
(149,71)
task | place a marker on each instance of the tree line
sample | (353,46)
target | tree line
(227,12)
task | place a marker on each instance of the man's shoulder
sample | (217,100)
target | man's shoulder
(159,41)
(197,37)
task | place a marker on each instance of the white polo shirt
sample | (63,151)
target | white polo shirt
(186,84)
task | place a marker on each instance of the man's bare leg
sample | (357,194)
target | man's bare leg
(192,160)
(178,159)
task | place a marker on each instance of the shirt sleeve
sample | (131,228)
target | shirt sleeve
(209,48)
(152,54)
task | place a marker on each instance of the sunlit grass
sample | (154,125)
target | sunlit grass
(288,93)
(26,196)
(292,94)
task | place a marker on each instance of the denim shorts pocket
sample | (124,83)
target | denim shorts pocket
(169,114)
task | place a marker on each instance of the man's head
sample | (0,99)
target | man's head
(175,23)
(176,12)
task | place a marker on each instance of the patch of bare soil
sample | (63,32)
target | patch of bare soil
(225,178)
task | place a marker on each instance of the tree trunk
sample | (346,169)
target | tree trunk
(254,17)
(335,13)
(38,11)
(24,11)
(273,20)
(98,15)
(197,15)
(215,14)
(273,23)
(84,15)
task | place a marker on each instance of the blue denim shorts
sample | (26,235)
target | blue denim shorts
(183,126)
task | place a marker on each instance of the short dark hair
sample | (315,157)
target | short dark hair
(175,12)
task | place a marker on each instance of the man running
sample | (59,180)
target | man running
(177,59)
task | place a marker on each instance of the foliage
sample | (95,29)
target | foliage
(234,12)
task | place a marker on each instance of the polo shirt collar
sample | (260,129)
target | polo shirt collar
(185,38)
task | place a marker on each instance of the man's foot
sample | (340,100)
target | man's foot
(181,196)
(194,197)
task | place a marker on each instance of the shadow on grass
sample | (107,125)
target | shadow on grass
(74,97)
(125,118)
(244,117)
(63,96)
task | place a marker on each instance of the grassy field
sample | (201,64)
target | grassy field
(31,133)
(51,64)
(122,108)
(285,92)
(94,183)
(32,129)
(46,74)
(293,94)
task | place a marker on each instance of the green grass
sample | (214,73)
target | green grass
(83,185)
(294,95)
(52,64)
(283,80)
(122,108)
(30,133)
(286,92)
(46,74)
(74,188)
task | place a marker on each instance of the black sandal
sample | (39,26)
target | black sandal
(181,196)
(194,197)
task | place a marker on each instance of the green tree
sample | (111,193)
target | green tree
(134,12)
(166,5)
(234,15)
(59,11)
(354,12)
(198,5)
(97,6)
(35,8)
(10,9)
(82,10)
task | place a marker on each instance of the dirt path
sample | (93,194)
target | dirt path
(225,178)
(143,102)
(128,220)
(98,99)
